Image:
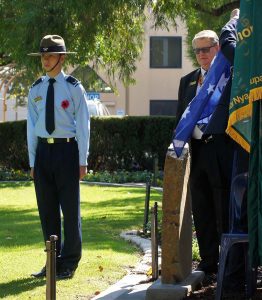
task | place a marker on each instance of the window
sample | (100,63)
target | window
(163,107)
(165,52)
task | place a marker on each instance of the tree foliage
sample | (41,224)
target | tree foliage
(107,33)
(197,15)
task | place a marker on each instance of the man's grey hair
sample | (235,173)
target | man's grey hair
(206,34)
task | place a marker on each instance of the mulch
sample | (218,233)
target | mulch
(208,290)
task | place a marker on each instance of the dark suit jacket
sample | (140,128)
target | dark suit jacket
(186,92)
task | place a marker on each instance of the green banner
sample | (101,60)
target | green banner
(255,188)
(245,114)
(247,79)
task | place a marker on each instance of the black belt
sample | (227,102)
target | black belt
(56,140)
(205,139)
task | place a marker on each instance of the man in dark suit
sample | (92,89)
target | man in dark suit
(211,157)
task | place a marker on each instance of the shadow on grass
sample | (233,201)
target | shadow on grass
(19,227)
(101,228)
(15,287)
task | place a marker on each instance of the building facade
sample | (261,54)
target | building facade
(163,62)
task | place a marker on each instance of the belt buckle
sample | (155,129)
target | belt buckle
(50,140)
(209,139)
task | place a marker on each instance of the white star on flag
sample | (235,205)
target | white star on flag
(210,88)
(222,82)
(187,111)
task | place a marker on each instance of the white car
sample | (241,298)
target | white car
(97,108)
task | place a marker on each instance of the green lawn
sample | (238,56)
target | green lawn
(106,211)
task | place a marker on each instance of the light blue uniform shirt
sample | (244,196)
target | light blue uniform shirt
(71,115)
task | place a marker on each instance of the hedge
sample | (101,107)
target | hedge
(116,143)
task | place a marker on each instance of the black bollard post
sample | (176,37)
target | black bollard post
(51,268)
(154,242)
(147,200)
(155,168)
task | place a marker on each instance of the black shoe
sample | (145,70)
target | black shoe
(40,274)
(65,274)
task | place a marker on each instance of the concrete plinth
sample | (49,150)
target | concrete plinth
(178,291)
(177,220)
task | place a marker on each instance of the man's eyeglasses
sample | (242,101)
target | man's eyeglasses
(203,50)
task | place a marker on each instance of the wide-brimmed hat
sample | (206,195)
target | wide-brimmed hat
(52,44)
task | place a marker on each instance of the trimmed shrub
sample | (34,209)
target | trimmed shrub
(13,149)
(129,143)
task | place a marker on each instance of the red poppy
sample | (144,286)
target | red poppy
(65,104)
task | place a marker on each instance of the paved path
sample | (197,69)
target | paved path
(134,285)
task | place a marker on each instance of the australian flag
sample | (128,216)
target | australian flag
(204,103)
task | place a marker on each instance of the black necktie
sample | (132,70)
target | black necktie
(49,110)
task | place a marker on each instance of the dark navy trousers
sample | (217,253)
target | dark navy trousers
(56,178)
(210,179)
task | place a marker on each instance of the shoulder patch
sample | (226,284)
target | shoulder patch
(72,80)
(39,80)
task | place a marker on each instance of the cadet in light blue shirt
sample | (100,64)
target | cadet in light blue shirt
(58,129)
(71,114)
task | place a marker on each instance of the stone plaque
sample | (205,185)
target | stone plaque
(177,220)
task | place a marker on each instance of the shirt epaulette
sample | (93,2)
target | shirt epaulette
(39,80)
(72,80)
